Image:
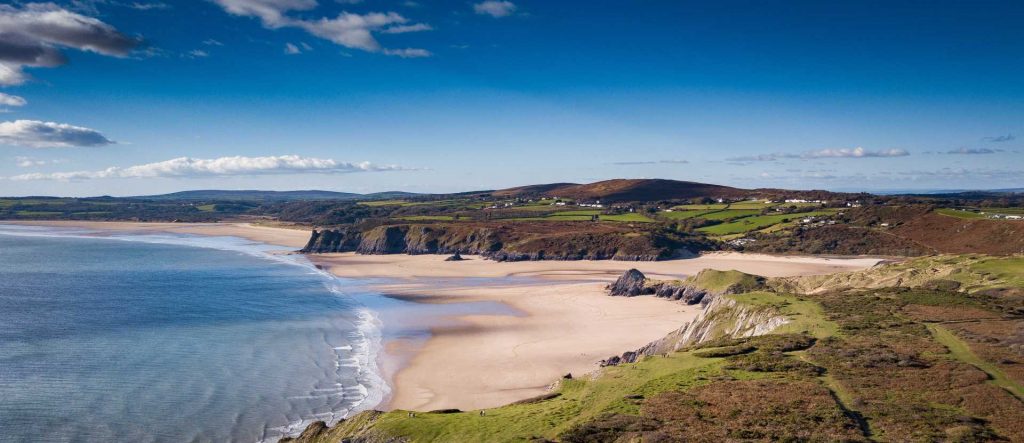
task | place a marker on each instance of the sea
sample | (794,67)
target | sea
(177,338)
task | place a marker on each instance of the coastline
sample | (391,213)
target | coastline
(569,322)
(564,324)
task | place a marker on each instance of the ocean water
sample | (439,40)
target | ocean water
(174,339)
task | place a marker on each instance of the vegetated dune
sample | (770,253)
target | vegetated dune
(619,190)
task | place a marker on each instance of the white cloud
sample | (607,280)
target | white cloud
(857,152)
(402,29)
(291,49)
(31,36)
(11,100)
(148,6)
(197,53)
(408,53)
(1000,138)
(974,151)
(355,31)
(270,12)
(29,162)
(185,167)
(650,162)
(37,134)
(495,8)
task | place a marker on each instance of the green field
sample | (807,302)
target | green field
(970,213)
(754,223)
(715,206)
(627,217)
(750,205)
(39,213)
(428,218)
(959,213)
(684,214)
(730,213)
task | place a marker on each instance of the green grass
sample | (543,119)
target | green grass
(1009,270)
(375,203)
(428,218)
(583,212)
(960,351)
(684,214)
(207,208)
(39,213)
(716,206)
(805,315)
(959,214)
(970,214)
(730,213)
(754,223)
(759,205)
(719,281)
(627,217)
(581,400)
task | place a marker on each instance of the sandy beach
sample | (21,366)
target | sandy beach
(279,236)
(565,323)
(569,324)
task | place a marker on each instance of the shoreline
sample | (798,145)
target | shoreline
(481,360)
(570,322)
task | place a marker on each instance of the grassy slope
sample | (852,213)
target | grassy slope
(960,350)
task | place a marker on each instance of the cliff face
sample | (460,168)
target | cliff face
(722,318)
(500,243)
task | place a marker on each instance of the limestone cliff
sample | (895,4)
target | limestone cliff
(501,242)
(723,317)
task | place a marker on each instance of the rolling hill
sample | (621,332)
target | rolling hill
(619,190)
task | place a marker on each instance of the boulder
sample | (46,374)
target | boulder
(455,257)
(630,284)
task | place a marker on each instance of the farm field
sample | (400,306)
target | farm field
(754,223)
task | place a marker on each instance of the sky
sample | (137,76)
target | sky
(137,97)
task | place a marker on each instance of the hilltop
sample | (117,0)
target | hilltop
(623,190)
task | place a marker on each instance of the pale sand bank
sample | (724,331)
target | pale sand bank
(479,361)
(570,322)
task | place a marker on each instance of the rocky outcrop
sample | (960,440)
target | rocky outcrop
(630,284)
(336,240)
(722,318)
(455,257)
(701,288)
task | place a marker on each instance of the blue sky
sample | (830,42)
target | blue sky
(125,97)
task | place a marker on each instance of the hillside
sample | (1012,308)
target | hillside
(622,190)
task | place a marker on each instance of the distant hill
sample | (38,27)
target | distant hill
(251,195)
(619,190)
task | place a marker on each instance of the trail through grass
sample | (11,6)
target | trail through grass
(961,351)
